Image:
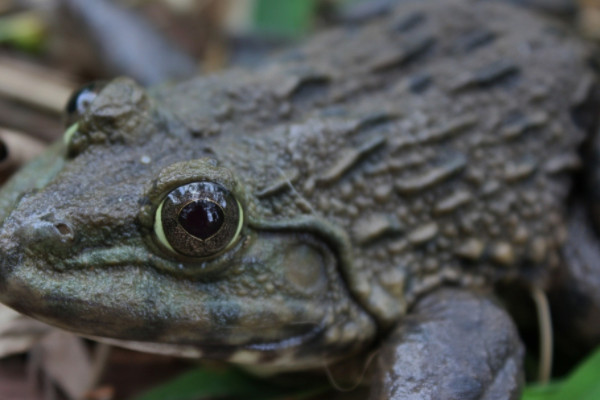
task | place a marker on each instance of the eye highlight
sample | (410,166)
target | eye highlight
(199,220)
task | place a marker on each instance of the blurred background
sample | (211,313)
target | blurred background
(48,48)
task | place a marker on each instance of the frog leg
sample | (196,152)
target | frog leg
(455,344)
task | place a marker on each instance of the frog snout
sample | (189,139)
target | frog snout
(46,234)
(26,238)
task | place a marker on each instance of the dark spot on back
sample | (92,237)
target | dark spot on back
(418,49)
(408,22)
(495,73)
(334,111)
(310,88)
(373,121)
(516,123)
(365,11)
(419,83)
(412,51)
(475,39)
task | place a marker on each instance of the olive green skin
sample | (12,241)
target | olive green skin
(374,164)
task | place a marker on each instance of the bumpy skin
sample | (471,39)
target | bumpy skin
(420,137)
(375,164)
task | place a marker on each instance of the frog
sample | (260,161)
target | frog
(361,195)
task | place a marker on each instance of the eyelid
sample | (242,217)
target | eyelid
(181,173)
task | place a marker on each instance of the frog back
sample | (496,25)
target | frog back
(437,142)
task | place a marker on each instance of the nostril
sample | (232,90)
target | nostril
(64,230)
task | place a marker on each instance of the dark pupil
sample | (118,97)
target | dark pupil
(201,218)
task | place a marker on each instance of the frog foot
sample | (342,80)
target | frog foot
(454,345)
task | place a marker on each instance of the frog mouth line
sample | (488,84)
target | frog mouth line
(221,351)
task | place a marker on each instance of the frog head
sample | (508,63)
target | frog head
(133,228)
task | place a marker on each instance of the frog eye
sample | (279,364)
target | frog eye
(199,219)
(80,101)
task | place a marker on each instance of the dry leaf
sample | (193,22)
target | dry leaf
(64,358)
(59,356)
(18,333)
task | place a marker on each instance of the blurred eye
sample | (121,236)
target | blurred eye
(80,101)
(199,220)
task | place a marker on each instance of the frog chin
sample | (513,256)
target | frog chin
(295,353)
(286,354)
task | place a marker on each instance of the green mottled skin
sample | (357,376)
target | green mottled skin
(374,164)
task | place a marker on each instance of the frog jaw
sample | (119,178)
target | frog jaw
(289,317)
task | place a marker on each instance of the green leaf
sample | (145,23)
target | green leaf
(284,18)
(209,383)
(541,392)
(25,31)
(582,384)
